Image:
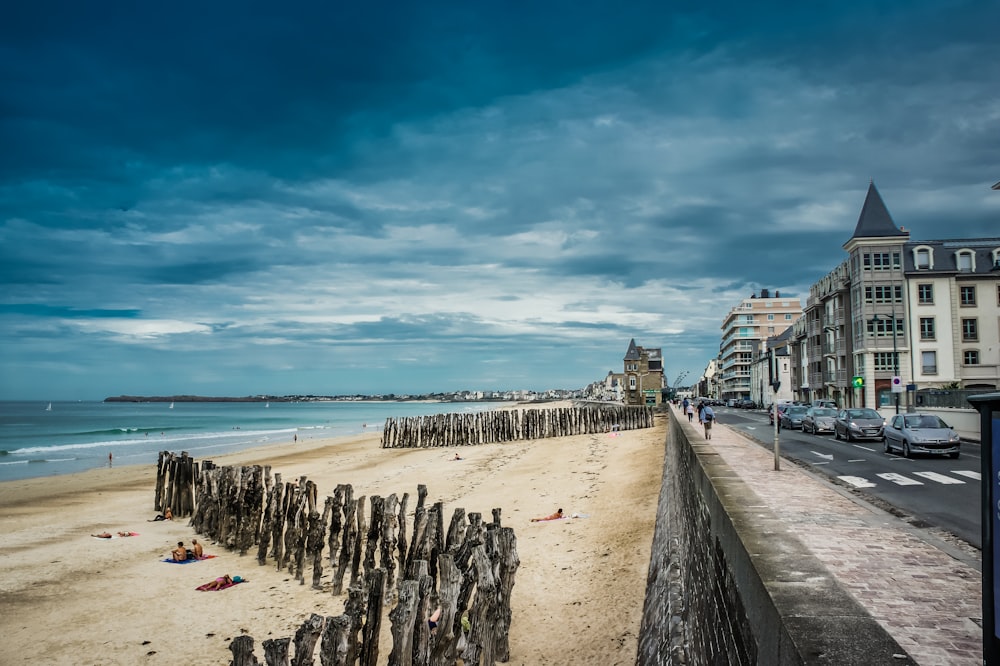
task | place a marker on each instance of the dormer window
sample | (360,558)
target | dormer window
(996,259)
(966,261)
(923,259)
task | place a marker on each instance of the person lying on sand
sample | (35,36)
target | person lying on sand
(555,516)
(107,535)
(223,582)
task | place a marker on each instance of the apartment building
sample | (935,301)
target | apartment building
(900,314)
(744,330)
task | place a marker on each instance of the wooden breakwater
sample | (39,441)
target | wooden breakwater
(460,429)
(175,475)
(466,568)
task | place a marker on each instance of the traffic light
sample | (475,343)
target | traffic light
(858,382)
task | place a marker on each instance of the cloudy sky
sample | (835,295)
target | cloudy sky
(235,198)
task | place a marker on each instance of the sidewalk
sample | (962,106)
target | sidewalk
(925,591)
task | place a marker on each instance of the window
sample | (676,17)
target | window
(883,327)
(770,329)
(968,295)
(885,361)
(927,328)
(970,330)
(882,261)
(925,294)
(928,362)
(970,357)
(966,261)
(922,258)
(770,317)
(884,294)
(788,317)
(631,382)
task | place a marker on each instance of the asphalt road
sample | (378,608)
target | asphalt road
(936,490)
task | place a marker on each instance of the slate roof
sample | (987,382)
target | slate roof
(875,221)
(633,352)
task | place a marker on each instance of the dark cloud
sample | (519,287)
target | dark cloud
(391,198)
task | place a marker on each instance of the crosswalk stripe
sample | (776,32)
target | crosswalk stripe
(969,473)
(857,481)
(899,479)
(940,478)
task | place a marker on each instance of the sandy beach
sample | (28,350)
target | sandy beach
(70,598)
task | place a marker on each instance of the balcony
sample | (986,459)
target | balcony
(835,377)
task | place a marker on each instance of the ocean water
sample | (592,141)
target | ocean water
(38,440)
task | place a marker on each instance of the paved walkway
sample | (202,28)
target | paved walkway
(925,589)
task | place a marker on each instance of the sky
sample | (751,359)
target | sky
(328,198)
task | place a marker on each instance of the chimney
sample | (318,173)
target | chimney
(765,293)
(777,294)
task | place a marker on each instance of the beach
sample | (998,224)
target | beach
(70,598)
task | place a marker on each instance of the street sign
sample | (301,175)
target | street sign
(858,381)
(897,385)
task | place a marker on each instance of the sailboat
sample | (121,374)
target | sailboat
(171,405)
(49,408)
(267,404)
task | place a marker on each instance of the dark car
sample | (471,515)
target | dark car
(791,416)
(858,423)
(921,433)
(819,419)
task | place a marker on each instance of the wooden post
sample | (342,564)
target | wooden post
(242,649)
(373,619)
(305,640)
(450,626)
(276,651)
(347,547)
(403,618)
(333,648)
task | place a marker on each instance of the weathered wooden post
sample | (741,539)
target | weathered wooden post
(347,547)
(305,640)
(242,649)
(333,647)
(387,542)
(373,619)
(403,618)
(314,544)
(276,651)
(508,565)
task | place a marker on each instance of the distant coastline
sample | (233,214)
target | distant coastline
(298,398)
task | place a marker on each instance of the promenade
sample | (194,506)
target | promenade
(921,585)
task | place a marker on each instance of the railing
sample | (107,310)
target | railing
(958,398)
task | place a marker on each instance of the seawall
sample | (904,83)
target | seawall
(728,584)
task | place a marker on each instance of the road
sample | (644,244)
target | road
(937,490)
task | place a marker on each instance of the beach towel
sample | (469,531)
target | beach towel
(189,560)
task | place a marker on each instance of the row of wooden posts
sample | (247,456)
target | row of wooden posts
(511,425)
(467,569)
(175,476)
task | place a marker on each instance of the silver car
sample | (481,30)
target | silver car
(921,433)
(819,419)
(858,423)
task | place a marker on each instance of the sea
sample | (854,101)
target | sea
(39,439)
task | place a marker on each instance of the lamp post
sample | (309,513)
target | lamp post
(895,351)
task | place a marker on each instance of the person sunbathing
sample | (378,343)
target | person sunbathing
(555,516)
(179,554)
(166,515)
(221,583)
(196,549)
(102,535)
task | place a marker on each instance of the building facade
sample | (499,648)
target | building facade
(744,331)
(900,314)
(643,375)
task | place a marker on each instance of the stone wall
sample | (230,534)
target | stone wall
(728,586)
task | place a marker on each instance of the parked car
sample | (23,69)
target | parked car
(791,416)
(782,405)
(921,433)
(824,403)
(819,419)
(858,423)
(746,403)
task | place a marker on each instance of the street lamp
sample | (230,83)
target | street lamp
(895,352)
